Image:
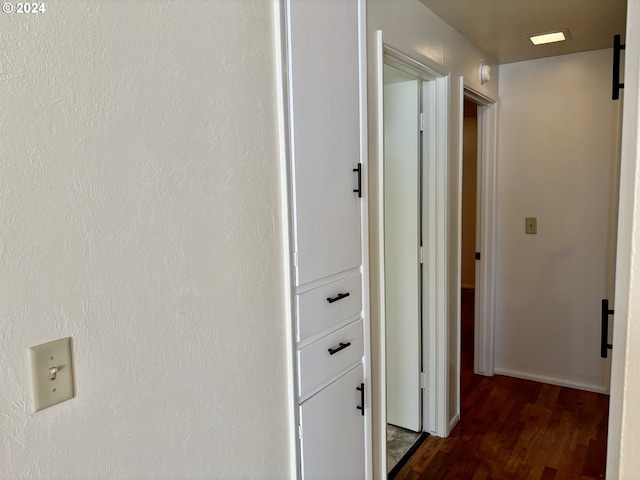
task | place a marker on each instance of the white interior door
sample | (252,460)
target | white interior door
(402,248)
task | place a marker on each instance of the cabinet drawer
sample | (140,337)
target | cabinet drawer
(322,307)
(316,362)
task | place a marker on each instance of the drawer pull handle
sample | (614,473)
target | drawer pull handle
(361,406)
(606,311)
(339,297)
(359,189)
(333,351)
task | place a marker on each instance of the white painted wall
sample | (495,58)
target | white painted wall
(556,154)
(140,215)
(412,24)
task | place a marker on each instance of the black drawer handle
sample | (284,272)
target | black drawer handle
(604,333)
(359,189)
(339,297)
(333,351)
(617,48)
(361,406)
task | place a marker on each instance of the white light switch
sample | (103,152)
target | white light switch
(51,373)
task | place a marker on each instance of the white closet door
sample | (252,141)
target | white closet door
(333,431)
(324,83)
(402,253)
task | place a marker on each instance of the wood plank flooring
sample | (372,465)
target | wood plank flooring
(515,429)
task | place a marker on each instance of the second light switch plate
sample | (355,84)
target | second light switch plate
(51,373)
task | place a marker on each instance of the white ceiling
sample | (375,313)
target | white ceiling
(501,27)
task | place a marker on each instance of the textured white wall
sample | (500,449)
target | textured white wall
(557,152)
(139,214)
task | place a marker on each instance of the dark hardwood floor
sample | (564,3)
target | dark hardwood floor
(515,429)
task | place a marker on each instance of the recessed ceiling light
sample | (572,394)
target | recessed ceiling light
(548,38)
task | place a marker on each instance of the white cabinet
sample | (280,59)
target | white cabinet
(325,61)
(325,131)
(333,431)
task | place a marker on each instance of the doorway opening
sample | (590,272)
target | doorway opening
(403,264)
(411,202)
(469,250)
(478,222)
(477,210)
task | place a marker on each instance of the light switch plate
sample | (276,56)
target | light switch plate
(51,373)
(531,225)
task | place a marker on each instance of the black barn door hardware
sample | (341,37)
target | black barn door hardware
(333,351)
(361,406)
(604,334)
(359,189)
(617,48)
(340,296)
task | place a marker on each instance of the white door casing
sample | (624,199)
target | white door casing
(484,314)
(435,233)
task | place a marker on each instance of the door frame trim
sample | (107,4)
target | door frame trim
(484,333)
(435,306)
(435,273)
(286,219)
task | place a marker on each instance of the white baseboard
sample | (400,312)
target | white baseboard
(454,421)
(551,380)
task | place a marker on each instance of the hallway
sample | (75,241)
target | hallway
(515,429)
